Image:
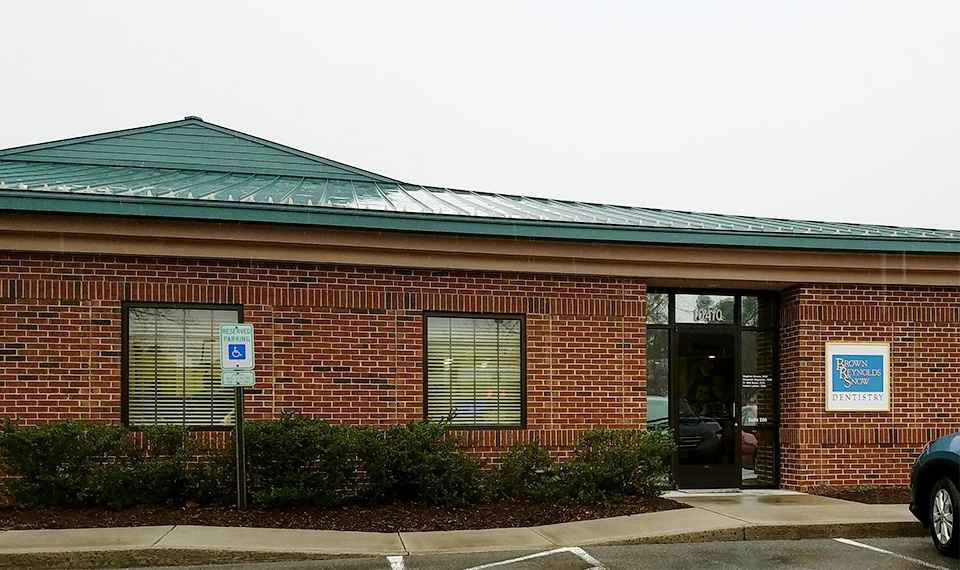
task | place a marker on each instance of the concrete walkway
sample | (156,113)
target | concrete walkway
(746,515)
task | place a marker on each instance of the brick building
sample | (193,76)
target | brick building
(782,353)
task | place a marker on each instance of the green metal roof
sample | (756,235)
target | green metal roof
(190,144)
(196,170)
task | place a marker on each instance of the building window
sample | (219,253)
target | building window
(172,366)
(475,370)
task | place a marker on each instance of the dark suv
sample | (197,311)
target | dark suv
(934,498)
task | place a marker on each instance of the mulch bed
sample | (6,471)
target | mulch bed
(399,517)
(874,495)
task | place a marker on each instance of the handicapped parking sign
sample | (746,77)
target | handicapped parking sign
(236,352)
(236,347)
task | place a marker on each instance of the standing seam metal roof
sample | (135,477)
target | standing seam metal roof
(195,165)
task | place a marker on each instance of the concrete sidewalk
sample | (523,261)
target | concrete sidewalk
(746,515)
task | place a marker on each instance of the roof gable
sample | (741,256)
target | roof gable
(190,144)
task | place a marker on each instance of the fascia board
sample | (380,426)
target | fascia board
(13,200)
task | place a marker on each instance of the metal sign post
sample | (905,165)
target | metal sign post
(241,451)
(236,363)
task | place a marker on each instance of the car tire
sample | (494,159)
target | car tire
(945,517)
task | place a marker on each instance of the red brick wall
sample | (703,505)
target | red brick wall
(345,344)
(922,325)
(340,343)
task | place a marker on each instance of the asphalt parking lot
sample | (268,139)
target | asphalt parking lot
(821,554)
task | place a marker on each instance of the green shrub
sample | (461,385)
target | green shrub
(216,478)
(71,463)
(421,462)
(303,461)
(527,471)
(609,465)
(57,464)
(654,449)
(157,466)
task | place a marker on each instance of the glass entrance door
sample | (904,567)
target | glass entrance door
(712,380)
(706,421)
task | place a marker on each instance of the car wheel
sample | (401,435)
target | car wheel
(944,516)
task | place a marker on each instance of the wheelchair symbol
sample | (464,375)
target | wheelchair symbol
(237,352)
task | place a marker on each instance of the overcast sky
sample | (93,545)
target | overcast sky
(829,111)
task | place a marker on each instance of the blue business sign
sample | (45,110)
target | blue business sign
(857,372)
(857,376)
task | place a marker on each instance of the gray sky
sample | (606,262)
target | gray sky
(830,111)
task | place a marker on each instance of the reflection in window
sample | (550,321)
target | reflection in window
(758,311)
(658,308)
(475,371)
(748,311)
(658,378)
(758,458)
(172,370)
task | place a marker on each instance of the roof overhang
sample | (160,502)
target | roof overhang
(371,240)
(377,220)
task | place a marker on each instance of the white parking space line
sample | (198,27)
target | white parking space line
(396,562)
(889,553)
(587,558)
(573,550)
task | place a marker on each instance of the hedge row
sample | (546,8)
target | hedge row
(305,461)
